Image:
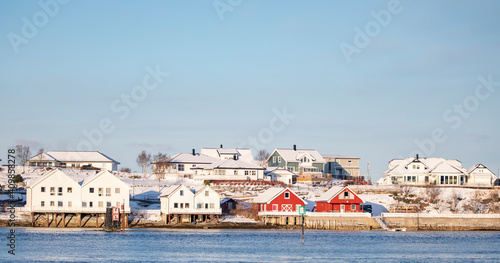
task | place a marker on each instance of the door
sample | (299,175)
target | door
(342,208)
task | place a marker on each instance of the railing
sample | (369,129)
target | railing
(194,211)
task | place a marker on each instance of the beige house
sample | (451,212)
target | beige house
(341,166)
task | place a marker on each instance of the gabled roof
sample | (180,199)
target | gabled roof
(229,164)
(73,156)
(190,158)
(88,180)
(270,194)
(81,179)
(206,187)
(478,166)
(244,154)
(431,165)
(333,192)
(290,155)
(169,190)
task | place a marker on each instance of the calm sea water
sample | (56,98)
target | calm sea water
(146,245)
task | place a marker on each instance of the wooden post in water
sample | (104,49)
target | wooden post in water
(302,229)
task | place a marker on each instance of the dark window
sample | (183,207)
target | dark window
(42,189)
(91,190)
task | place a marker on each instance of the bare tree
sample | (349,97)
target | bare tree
(262,156)
(144,160)
(23,154)
(160,164)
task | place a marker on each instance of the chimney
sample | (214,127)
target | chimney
(294,147)
(221,146)
(417,156)
(235,157)
(194,153)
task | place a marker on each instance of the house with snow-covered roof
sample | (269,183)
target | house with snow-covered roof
(277,200)
(56,191)
(74,159)
(280,174)
(182,164)
(244,154)
(180,203)
(307,164)
(339,199)
(229,169)
(435,171)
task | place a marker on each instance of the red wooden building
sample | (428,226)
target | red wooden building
(339,199)
(279,200)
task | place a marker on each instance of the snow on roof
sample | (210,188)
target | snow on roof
(326,196)
(339,156)
(227,199)
(269,195)
(478,166)
(432,165)
(243,153)
(291,155)
(229,164)
(80,178)
(190,158)
(168,190)
(74,156)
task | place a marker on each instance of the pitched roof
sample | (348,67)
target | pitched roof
(431,165)
(229,164)
(74,156)
(333,192)
(244,154)
(271,193)
(80,178)
(168,190)
(478,166)
(190,158)
(290,155)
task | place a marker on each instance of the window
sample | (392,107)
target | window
(206,205)
(199,205)
(235,172)
(176,205)
(207,193)
(100,204)
(274,159)
(42,189)
(59,203)
(108,204)
(180,167)
(52,203)
(254,172)
(84,204)
(346,195)
(42,203)
(287,195)
(100,192)
(212,205)
(70,204)
(353,207)
(279,159)
(52,191)
(117,190)
(108,191)
(181,192)
(275,207)
(91,190)
(59,191)
(70,190)
(182,205)
(91,204)
(186,205)
(246,173)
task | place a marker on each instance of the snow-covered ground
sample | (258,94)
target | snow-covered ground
(237,219)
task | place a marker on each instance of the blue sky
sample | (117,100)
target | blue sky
(231,69)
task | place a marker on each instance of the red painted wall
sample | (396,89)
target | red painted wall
(280,200)
(335,203)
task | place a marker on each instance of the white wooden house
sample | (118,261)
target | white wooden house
(59,192)
(229,169)
(480,175)
(180,203)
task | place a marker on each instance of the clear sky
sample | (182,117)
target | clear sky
(374,79)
